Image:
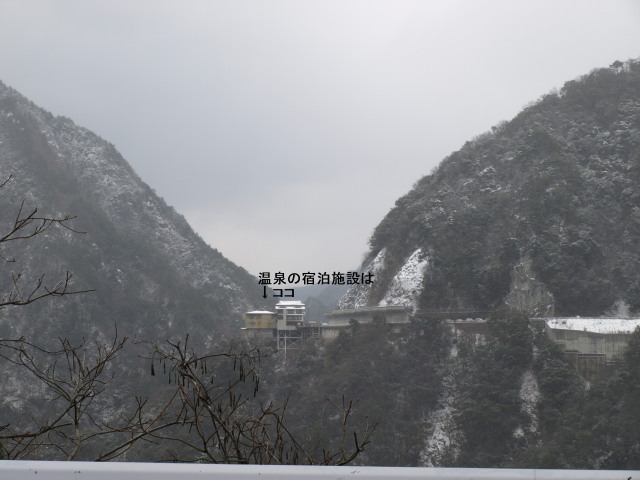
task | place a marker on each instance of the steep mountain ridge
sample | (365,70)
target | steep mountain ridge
(542,213)
(152,272)
(547,202)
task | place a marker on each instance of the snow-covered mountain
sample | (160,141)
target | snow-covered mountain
(153,275)
(542,213)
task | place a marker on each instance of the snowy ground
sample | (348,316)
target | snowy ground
(407,283)
(596,325)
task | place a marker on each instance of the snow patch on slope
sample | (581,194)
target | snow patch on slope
(358,295)
(407,283)
(529,395)
(444,436)
(439,442)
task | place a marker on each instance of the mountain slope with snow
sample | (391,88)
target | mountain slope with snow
(541,213)
(153,275)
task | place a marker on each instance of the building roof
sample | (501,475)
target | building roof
(290,303)
(595,325)
(262,311)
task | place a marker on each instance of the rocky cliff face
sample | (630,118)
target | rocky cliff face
(152,274)
(541,213)
(527,294)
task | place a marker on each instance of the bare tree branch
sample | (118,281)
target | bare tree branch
(26,226)
(220,423)
(18,297)
(75,376)
(211,412)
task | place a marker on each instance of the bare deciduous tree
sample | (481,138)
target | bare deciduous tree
(218,420)
(25,225)
(70,377)
(210,413)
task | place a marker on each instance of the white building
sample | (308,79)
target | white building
(289,323)
(290,314)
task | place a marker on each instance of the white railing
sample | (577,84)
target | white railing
(41,470)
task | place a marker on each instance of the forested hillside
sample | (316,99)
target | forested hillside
(504,398)
(541,213)
(152,274)
(539,216)
(148,278)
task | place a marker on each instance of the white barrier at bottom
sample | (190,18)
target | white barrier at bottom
(42,470)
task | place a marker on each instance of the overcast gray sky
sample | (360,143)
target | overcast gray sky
(285,130)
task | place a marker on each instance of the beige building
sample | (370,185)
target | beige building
(594,345)
(260,319)
(286,325)
(259,323)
